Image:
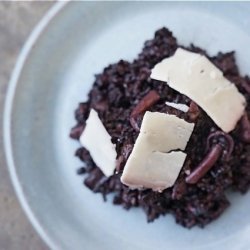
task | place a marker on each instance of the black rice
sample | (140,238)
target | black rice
(116,92)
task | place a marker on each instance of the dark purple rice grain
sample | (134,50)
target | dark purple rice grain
(115,93)
(179,190)
(76,132)
(245,129)
(81,170)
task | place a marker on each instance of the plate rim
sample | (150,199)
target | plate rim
(37,31)
(53,12)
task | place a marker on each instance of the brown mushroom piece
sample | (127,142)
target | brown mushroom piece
(146,102)
(205,165)
(225,140)
(193,111)
(223,146)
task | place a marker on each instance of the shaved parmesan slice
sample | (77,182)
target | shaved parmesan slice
(155,170)
(195,76)
(151,164)
(179,106)
(97,141)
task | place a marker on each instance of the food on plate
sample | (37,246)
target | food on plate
(168,132)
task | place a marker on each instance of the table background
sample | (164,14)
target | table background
(17,19)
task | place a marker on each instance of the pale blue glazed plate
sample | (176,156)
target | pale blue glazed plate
(55,71)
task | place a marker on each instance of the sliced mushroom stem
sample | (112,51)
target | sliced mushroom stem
(193,111)
(146,102)
(228,147)
(205,165)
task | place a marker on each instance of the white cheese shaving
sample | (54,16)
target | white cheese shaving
(179,106)
(158,171)
(97,141)
(151,164)
(195,76)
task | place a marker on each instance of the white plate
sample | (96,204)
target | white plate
(55,71)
